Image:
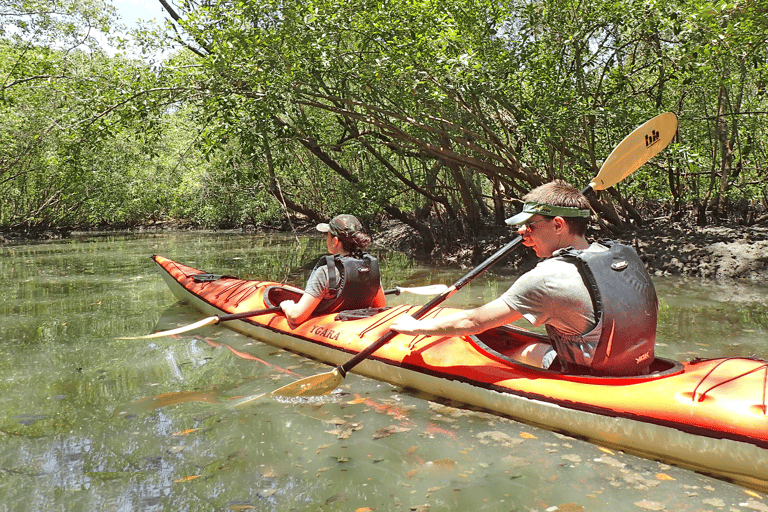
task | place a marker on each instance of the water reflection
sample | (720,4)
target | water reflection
(175,444)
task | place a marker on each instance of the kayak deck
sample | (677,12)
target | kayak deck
(707,415)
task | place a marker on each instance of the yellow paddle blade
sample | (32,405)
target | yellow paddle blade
(178,330)
(311,386)
(635,150)
(246,400)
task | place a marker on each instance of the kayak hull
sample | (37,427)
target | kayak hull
(708,416)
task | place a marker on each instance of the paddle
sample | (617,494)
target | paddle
(419,290)
(632,152)
(202,323)
(211,320)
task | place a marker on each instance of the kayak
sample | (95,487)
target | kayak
(705,415)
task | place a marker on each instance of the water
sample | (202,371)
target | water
(89,422)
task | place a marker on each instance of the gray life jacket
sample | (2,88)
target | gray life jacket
(625,304)
(353,282)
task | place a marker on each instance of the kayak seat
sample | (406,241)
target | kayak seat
(274,295)
(509,343)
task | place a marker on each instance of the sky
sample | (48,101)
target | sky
(131,10)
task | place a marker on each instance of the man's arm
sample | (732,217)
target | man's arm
(470,321)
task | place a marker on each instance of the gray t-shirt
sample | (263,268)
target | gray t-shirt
(554,293)
(317,284)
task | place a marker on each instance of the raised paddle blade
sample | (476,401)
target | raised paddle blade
(205,321)
(311,386)
(636,149)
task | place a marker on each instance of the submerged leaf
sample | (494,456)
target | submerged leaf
(498,437)
(443,463)
(388,431)
(570,507)
(186,479)
(185,432)
(650,505)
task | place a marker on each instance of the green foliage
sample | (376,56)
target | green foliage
(424,109)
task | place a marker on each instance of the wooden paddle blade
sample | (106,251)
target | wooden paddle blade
(432,289)
(311,386)
(636,149)
(247,400)
(206,321)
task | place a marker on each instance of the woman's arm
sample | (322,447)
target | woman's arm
(298,312)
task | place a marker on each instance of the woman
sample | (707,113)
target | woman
(347,278)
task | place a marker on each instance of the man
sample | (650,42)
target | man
(596,301)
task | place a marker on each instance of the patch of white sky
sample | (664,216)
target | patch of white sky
(131,11)
(132,14)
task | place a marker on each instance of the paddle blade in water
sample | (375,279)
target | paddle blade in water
(205,321)
(311,386)
(635,150)
(246,400)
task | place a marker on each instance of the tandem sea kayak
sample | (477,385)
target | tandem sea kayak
(705,415)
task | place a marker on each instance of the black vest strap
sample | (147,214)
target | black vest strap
(333,275)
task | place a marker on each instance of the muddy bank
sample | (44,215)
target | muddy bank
(722,252)
(725,252)
(716,252)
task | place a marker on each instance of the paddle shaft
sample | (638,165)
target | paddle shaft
(246,314)
(273,309)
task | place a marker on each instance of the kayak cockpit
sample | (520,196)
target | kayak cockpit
(511,344)
(518,346)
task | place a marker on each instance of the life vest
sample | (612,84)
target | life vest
(353,282)
(625,304)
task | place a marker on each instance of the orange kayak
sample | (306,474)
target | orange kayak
(705,415)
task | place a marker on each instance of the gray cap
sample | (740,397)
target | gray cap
(345,225)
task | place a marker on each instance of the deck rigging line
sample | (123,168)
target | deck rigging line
(762,365)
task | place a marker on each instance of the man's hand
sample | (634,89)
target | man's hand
(405,324)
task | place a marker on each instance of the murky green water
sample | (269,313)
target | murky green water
(88,421)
